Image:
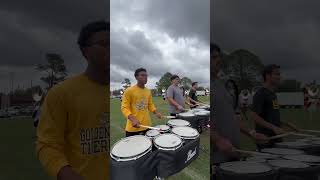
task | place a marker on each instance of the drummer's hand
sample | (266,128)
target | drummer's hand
(159,116)
(135,123)
(260,138)
(224,145)
(278,130)
(66,173)
(179,108)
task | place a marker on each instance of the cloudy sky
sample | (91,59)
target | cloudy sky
(161,36)
(286,32)
(30,29)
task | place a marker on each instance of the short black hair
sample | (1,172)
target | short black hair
(268,70)
(194,83)
(89,29)
(136,73)
(214,47)
(174,77)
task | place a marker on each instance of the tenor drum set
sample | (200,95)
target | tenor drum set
(163,151)
(292,160)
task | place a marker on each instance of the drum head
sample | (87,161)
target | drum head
(315,142)
(280,163)
(303,158)
(294,144)
(152,133)
(178,123)
(256,159)
(163,127)
(187,114)
(201,113)
(244,167)
(167,141)
(131,147)
(282,151)
(185,132)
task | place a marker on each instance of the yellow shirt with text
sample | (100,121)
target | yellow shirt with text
(74,128)
(137,102)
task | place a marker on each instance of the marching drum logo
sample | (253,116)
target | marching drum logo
(191,154)
(141,104)
(275,104)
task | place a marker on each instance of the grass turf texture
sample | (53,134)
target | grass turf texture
(199,169)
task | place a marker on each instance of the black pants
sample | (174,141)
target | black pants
(136,133)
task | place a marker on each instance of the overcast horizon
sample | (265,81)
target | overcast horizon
(176,41)
(281,32)
(30,30)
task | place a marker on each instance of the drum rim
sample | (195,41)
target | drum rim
(154,131)
(249,174)
(289,168)
(174,125)
(165,130)
(119,159)
(186,137)
(291,149)
(164,148)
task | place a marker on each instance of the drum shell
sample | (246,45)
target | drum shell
(203,120)
(227,175)
(309,173)
(172,162)
(132,169)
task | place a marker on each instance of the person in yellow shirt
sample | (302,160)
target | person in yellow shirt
(136,104)
(73,132)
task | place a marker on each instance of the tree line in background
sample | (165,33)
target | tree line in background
(244,67)
(163,83)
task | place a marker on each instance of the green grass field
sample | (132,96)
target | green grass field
(18,158)
(299,117)
(199,169)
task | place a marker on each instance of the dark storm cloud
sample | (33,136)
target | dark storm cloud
(30,29)
(161,36)
(284,32)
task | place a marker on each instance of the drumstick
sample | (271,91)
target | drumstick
(168,117)
(311,131)
(280,136)
(300,134)
(253,153)
(149,127)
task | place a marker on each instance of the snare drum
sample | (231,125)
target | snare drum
(190,117)
(177,123)
(167,142)
(131,148)
(163,128)
(243,170)
(306,146)
(152,133)
(289,169)
(310,173)
(186,133)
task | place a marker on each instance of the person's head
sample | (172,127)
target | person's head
(175,79)
(215,57)
(141,76)
(94,44)
(271,74)
(195,85)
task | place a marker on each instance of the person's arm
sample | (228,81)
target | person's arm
(250,132)
(260,121)
(50,145)
(126,109)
